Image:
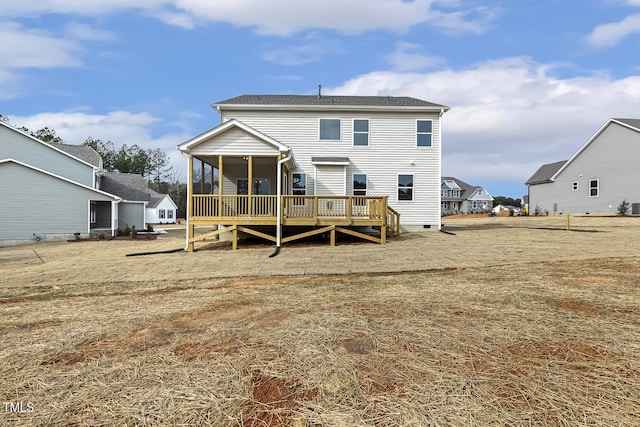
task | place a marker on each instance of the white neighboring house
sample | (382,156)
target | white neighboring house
(341,155)
(161,209)
(598,177)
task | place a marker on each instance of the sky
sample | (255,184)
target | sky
(528,81)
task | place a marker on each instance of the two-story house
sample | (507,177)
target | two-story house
(604,172)
(458,197)
(53,191)
(317,164)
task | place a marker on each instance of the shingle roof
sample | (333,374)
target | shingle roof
(467,189)
(330,160)
(328,100)
(545,172)
(154,198)
(631,122)
(127,186)
(82,152)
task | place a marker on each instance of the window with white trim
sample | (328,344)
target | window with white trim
(424,133)
(360,188)
(329,129)
(594,188)
(299,183)
(360,132)
(405,187)
(170,213)
(574,185)
(161,213)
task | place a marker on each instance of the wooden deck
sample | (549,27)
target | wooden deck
(323,214)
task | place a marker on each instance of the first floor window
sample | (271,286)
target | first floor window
(299,187)
(299,184)
(359,184)
(574,185)
(360,187)
(594,188)
(424,133)
(161,213)
(330,129)
(405,187)
(170,213)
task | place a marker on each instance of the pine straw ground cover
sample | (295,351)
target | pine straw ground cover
(543,332)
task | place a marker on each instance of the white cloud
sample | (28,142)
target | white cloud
(275,17)
(607,35)
(29,48)
(79,31)
(508,116)
(407,57)
(120,127)
(313,50)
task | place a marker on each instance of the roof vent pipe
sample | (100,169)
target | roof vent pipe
(319,91)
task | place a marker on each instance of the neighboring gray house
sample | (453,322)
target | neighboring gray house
(140,205)
(458,197)
(603,173)
(52,191)
(48,193)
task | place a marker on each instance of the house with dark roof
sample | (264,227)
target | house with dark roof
(50,191)
(597,178)
(140,205)
(304,165)
(458,197)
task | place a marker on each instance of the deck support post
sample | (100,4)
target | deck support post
(333,237)
(234,239)
(190,227)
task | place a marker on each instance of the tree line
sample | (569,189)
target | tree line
(153,164)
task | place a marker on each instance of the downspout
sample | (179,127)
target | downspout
(279,204)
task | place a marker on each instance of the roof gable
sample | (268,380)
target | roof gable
(61,178)
(54,147)
(231,125)
(633,124)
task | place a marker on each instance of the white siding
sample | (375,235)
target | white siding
(235,142)
(392,150)
(330,180)
(612,158)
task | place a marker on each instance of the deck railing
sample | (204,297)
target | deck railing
(234,206)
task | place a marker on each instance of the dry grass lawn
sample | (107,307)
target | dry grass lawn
(511,321)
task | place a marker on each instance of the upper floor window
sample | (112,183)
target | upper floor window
(361,132)
(594,188)
(329,129)
(424,133)
(405,187)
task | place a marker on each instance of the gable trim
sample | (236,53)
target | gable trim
(104,193)
(593,138)
(188,145)
(48,145)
